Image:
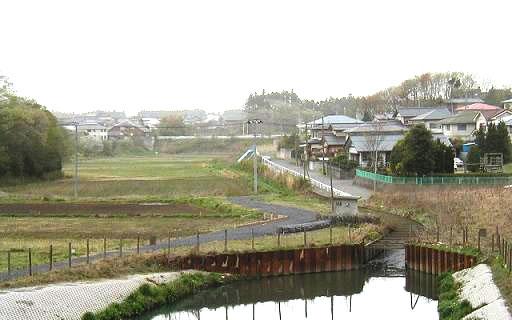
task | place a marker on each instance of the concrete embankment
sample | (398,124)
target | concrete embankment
(71,300)
(477,287)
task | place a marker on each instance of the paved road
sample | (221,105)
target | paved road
(343,185)
(295,216)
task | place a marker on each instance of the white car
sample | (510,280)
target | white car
(457,163)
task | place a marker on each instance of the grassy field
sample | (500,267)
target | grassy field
(123,198)
(137,177)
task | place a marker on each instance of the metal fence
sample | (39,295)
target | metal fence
(434,180)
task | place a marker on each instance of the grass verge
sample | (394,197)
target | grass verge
(450,307)
(502,278)
(148,297)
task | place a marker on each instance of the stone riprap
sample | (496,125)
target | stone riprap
(479,289)
(71,300)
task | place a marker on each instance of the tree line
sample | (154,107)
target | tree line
(32,144)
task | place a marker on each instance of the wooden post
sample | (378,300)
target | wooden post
(350,233)
(88,259)
(69,254)
(197,242)
(9,262)
(279,239)
(169,244)
(451,235)
(104,247)
(467,236)
(437,233)
(50,258)
(330,234)
(225,240)
(479,241)
(509,259)
(138,243)
(492,243)
(305,239)
(252,236)
(463,236)
(121,247)
(30,261)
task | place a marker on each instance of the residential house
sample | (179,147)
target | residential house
(482,107)
(126,129)
(463,125)
(373,137)
(234,118)
(430,119)
(329,133)
(405,114)
(90,129)
(507,104)
(455,103)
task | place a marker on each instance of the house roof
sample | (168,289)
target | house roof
(334,119)
(464,100)
(91,126)
(463,117)
(343,126)
(332,140)
(490,114)
(412,111)
(234,115)
(435,114)
(127,123)
(378,126)
(477,107)
(386,143)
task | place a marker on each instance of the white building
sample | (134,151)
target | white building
(93,130)
(463,125)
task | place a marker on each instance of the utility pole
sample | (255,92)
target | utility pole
(323,149)
(75,187)
(255,122)
(332,189)
(304,163)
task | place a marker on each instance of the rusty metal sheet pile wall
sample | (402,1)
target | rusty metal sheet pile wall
(282,262)
(435,261)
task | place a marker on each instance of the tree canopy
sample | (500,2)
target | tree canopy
(32,143)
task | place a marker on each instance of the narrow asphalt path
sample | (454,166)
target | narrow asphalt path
(295,216)
(345,185)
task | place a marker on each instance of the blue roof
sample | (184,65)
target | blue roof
(335,119)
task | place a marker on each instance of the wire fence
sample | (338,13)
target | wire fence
(463,180)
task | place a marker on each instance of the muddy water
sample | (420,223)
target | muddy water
(384,290)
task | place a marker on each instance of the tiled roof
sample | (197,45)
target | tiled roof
(385,142)
(334,119)
(412,111)
(463,117)
(332,140)
(435,114)
(477,107)
(378,126)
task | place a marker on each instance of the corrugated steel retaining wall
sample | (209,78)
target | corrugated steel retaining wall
(436,261)
(306,260)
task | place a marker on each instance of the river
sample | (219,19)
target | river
(383,290)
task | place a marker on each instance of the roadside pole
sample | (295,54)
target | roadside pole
(255,123)
(75,187)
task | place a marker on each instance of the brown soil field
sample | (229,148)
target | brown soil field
(97,209)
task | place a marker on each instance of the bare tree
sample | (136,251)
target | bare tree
(374,139)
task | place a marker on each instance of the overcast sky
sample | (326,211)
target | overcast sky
(128,55)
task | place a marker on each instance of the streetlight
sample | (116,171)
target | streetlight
(255,122)
(75,187)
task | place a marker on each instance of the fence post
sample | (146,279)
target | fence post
(50,257)
(510,258)
(349,233)
(451,235)
(437,233)
(9,262)
(138,243)
(467,235)
(305,239)
(225,240)
(88,260)
(69,254)
(169,244)
(479,241)
(492,243)
(330,234)
(30,261)
(197,242)
(252,236)
(121,247)
(104,247)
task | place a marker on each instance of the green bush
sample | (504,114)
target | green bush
(449,306)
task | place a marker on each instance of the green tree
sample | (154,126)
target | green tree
(172,126)
(395,159)
(473,159)
(504,145)
(443,157)
(417,157)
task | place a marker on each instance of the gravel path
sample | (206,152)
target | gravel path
(295,216)
(344,185)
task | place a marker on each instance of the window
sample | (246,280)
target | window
(433,125)
(447,127)
(461,127)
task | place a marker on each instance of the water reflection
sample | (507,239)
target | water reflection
(334,295)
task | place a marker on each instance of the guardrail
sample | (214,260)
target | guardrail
(315,183)
(434,180)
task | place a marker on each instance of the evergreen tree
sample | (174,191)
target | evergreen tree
(473,159)
(443,157)
(504,145)
(418,158)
